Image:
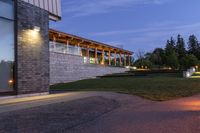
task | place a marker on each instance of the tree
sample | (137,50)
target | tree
(158,57)
(140,54)
(189,61)
(143,63)
(180,50)
(180,47)
(170,46)
(193,46)
(172,60)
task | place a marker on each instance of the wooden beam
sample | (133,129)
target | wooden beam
(62,37)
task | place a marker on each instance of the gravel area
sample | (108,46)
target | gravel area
(58,117)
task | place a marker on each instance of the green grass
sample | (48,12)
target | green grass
(157,87)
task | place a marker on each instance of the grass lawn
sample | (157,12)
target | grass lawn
(157,87)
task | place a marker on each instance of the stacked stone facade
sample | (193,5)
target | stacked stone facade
(68,68)
(32,49)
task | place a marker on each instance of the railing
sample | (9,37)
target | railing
(64,48)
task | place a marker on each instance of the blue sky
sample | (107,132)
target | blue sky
(135,24)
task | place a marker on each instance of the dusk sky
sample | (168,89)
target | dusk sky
(135,24)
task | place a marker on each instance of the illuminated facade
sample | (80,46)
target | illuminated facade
(28,47)
(24,41)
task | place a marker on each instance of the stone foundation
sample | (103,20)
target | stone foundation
(68,68)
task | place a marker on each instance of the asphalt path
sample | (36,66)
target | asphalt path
(101,112)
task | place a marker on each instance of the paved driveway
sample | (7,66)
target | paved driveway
(99,112)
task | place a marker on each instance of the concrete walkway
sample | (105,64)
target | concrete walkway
(126,114)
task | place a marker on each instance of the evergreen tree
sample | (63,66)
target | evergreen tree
(171,59)
(193,46)
(180,47)
(170,46)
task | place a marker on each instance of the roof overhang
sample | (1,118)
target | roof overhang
(62,37)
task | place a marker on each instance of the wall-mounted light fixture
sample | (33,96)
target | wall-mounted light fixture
(35,28)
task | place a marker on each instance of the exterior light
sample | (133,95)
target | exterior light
(36,28)
(135,68)
(187,74)
(10,81)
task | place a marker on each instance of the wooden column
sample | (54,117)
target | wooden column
(124,59)
(109,57)
(88,54)
(120,59)
(95,51)
(54,39)
(129,60)
(79,49)
(115,59)
(103,58)
(67,46)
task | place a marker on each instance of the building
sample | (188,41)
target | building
(32,56)
(75,58)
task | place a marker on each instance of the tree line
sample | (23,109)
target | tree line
(175,55)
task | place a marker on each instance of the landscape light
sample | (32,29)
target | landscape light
(187,74)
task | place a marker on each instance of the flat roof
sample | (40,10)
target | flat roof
(62,37)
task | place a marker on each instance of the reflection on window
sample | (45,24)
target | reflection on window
(92,60)
(6,9)
(6,45)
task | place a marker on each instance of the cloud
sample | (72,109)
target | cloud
(157,37)
(91,7)
(152,35)
(162,27)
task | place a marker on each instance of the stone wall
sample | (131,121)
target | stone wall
(67,68)
(32,49)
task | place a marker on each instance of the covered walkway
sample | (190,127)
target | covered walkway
(95,52)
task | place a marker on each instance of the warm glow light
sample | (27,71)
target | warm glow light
(10,81)
(31,37)
(36,28)
(193,105)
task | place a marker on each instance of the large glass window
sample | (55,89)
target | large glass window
(6,45)
(6,9)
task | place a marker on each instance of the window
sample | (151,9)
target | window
(6,45)
(6,9)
